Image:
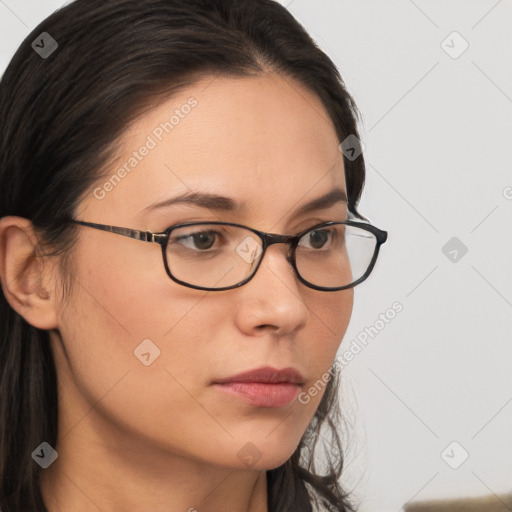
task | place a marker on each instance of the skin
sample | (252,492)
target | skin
(138,438)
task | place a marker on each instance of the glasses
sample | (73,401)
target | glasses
(216,256)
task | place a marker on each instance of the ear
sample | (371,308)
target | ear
(26,280)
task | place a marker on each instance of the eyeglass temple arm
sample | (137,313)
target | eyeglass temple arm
(144,236)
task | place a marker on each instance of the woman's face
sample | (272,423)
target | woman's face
(265,142)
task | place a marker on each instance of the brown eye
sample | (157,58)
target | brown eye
(316,239)
(202,240)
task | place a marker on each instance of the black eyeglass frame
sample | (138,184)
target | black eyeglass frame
(267,240)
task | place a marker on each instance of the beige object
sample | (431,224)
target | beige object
(491,503)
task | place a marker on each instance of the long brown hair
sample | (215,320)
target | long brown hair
(60,117)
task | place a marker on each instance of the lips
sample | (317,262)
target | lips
(266,375)
(263,387)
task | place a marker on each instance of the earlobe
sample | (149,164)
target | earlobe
(24,276)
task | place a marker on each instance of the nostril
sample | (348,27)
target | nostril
(265,327)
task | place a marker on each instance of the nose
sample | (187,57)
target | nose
(272,300)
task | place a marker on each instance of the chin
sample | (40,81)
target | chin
(265,453)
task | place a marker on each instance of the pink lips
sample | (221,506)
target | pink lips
(264,387)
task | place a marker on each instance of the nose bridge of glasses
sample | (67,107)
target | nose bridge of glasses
(271,239)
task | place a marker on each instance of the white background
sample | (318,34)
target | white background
(438,133)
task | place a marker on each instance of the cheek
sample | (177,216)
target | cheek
(138,352)
(329,318)
(330,315)
(134,355)
(121,312)
(124,293)
(115,306)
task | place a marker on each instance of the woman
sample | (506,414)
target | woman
(187,376)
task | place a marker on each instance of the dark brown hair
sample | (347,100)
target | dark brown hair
(60,118)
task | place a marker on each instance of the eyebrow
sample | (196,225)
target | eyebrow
(226,204)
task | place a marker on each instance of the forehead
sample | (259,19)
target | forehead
(265,140)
